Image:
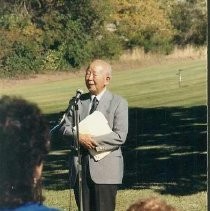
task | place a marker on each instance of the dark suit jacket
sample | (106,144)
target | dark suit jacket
(108,170)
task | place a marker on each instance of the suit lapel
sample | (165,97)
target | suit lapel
(103,105)
(104,102)
(85,107)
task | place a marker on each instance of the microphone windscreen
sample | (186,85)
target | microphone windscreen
(80,91)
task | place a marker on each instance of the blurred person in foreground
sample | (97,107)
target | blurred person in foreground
(150,204)
(100,178)
(24,143)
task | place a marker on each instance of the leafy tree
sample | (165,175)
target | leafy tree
(142,24)
(189,19)
(92,14)
(107,46)
(40,35)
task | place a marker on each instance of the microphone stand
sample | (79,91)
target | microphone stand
(76,117)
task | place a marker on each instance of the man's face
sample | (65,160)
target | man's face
(96,79)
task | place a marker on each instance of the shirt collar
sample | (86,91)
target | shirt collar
(99,96)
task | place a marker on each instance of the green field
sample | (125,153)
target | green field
(165,152)
(153,86)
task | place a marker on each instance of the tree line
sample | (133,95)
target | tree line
(55,35)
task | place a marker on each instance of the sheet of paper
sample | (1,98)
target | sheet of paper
(95,124)
(98,155)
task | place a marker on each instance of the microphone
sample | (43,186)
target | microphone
(79,92)
(76,98)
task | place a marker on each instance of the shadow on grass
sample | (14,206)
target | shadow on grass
(166,147)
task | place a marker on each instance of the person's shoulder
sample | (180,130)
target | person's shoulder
(119,98)
(116,99)
(35,206)
(114,95)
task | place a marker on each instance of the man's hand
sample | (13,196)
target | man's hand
(87,141)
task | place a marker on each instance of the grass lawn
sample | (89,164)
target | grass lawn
(165,152)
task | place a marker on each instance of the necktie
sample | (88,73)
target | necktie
(94,105)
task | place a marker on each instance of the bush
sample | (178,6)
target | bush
(23,60)
(107,46)
(189,19)
(77,47)
(52,60)
(13,21)
(151,41)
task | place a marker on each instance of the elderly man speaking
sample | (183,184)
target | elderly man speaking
(100,177)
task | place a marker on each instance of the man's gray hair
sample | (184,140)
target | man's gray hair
(106,67)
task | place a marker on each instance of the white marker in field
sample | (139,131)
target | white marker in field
(180,77)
